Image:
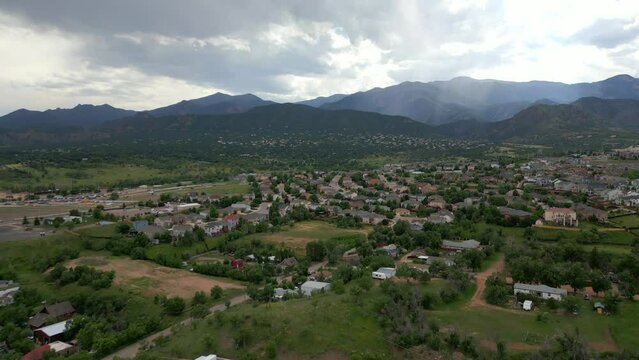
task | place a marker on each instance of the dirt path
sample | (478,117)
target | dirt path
(477,299)
(132,350)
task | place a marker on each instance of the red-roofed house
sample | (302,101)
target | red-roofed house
(561,216)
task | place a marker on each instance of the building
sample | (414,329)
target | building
(384,273)
(8,291)
(214,228)
(51,333)
(588,212)
(460,245)
(561,216)
(542,291)
(310,287)
(207,357)
(513,213)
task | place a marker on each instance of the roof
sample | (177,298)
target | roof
(561,210)
(59,309)
(38,320)
(59,346)
(36,354)
(466,244)
(55,329)
(541,288)
(315,285)
(207,357)
(386,271)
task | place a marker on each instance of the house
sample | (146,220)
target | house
(59,311)
(139,225)
(384,273)
(508,213)
(588,212)
(241,207)
(207,357)
(401,212)
(561,216)
(460,245)
(279,293)
(189,206)
(287,263)
(436,201)
(255,218)
(51,333)
(542,291)
(231,221)
(310,287)
(153,231)
(214,228)
(390,250)
(8,291)
(179,230)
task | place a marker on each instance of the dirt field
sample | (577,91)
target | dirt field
(302,233)
(154,279)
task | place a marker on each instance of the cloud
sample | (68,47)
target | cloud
(149,53)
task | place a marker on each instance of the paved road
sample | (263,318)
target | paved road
(130,351)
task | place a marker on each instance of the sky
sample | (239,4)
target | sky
(142,54)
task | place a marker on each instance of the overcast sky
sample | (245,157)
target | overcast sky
(141,54)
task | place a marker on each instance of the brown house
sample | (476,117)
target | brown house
(57,312)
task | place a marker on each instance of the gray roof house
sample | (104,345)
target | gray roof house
(543,291)
(310,287)
(460,245)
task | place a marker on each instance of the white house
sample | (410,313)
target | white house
(542,291)
(384,273)
(310,287)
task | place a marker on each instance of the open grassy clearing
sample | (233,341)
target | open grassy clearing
(227,188)
(152,279)
(606,237)
(333,324)
(14,213)
(628,221)
(300,234)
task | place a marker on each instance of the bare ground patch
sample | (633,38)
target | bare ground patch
(154,279)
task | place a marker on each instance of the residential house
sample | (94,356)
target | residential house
(8,291)
(287,263)
(436,201)
(310,287)
(384,273)
(51,333)
(214,228)
(178,231)
(542,291)
(153,231)
(139,225)
(513,213)
(588,212)
(255,218)
(231,221)
(401,212)
(460,245)
(57,312)
(561,216)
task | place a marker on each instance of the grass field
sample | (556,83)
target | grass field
(152,279)
(607,237)
(628,221)
(227,188)
(326,326)
(16,213)
(302,233)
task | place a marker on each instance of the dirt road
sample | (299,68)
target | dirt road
(132,350)
(477,299)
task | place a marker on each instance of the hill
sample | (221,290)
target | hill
(464,98)
(319,101)
(217,103)
(270,120)
(80,116)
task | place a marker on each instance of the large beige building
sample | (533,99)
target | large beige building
(561,216)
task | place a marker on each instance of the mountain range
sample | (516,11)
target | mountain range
(534,111)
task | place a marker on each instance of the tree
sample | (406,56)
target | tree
(123,228)
(576,276)
(216,292)
(599,281)
(570,304)
(213,213)
(199,298)
(199,311)
(174,306)
(315,250)
(611,302)
(36,221)
(497,291)
(25,221)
